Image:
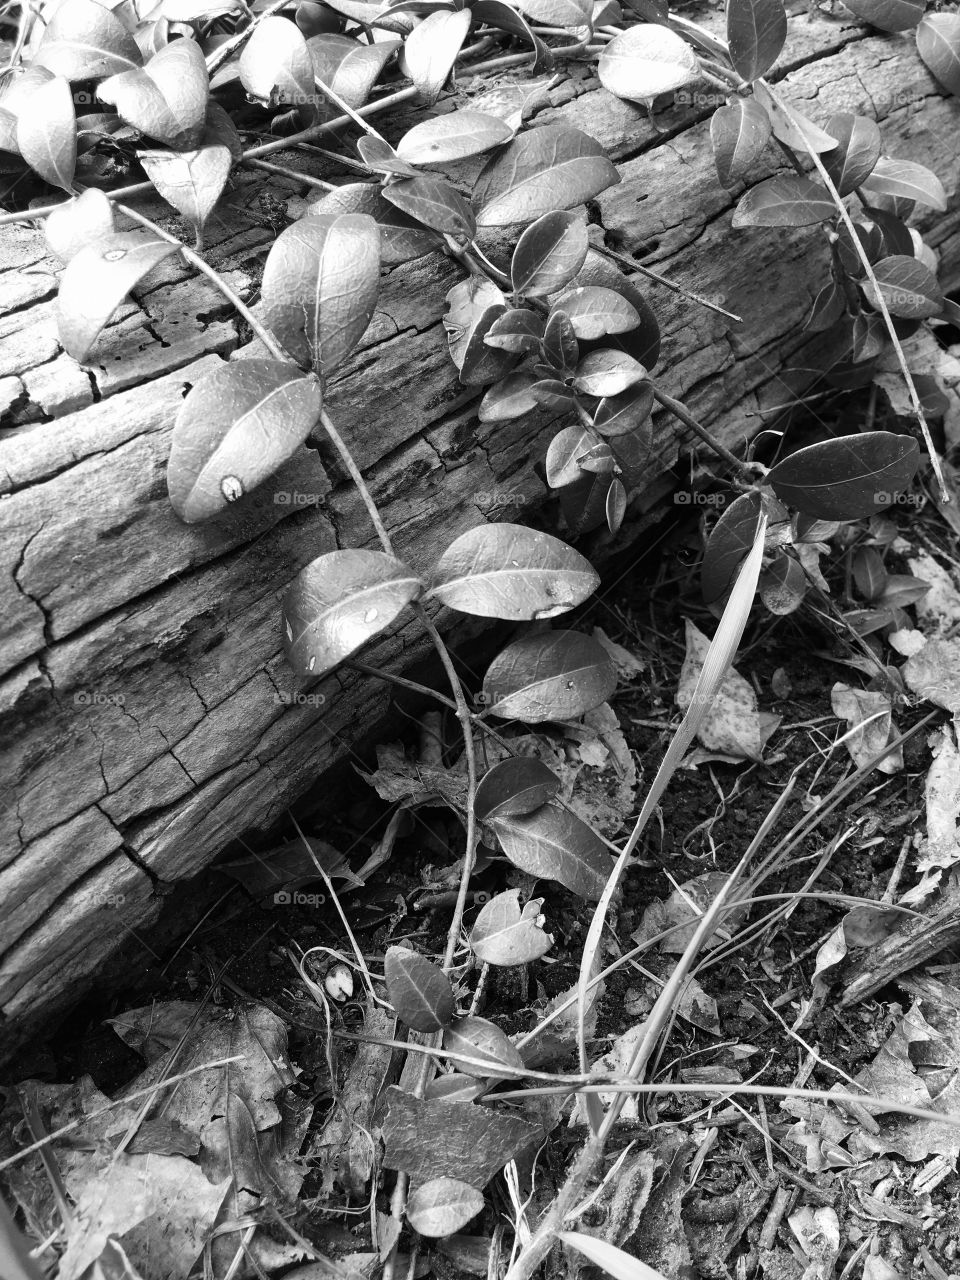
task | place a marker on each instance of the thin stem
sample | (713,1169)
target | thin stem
(195,260)
(877,297)
(400,682)
(345,107)
(282,171)
(680,411)
(633,265)
(357,477)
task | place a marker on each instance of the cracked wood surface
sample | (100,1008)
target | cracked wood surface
(146,714)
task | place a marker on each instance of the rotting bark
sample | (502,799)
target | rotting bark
(147,714)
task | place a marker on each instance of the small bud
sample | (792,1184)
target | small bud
(339,982)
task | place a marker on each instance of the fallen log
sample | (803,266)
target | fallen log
(148,716)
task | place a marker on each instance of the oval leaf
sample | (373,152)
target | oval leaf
(627,412)
(166,99)
(908,287)
(86,41)
(77,223)
(888,15)
(432,47)
(906,180)
(558,13)
(443,1206)
(477,1038)
(728,546)
(756,32)
(554,844)
(453,137)
(541,171)
(512,572)
(434,202)
(276,65)
(419,990)
(509,398)
(320,286)
(938,43)
(642,343)
(847,478)
(788,200)
(97,280)
(191,181)
(607,373)
(47,133)
(349,68)
(596,312)
(518,785)
(857,151)
(739,133)
(235,428)
(338,602)
(549,253)
(552,676)
(505,935)
(646,60)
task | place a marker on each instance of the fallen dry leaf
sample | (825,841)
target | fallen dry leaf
(870,715)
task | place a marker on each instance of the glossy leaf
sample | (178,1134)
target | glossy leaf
(549,253)
(338,602)
(756,33)
(564,453)
(166,99)
(857,151)
(739,133)
(348,67)
(432,47)
(320,286)
(595,312)
(561,351)
(642,343)
(97,280)
(510,571)
(616,505)
(646,60)
(77,223)
(554,844)
(938,43)
(504,17)
(234,429)
(435,203)
(729,545)
(419,990)
(909,288)
(794,129)
(400,237)
(509,398)
(380,157)
(624,413)
(505,934)
(557,13)
(86,41)
(442,1206)
(555,675)
(518,785)
(788,200)
(539,172)
(519,330)
(846,478)
(47,133)
(454,136)
(477,1038)
(906,180)
(888,15)
(473,306)
(276,65)
(783,585)
(608,373)
(191,181)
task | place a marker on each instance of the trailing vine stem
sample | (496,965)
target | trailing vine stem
(197,261)
(679,410)
(632,265)
(877,292)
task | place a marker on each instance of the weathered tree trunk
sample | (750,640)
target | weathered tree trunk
(148,716)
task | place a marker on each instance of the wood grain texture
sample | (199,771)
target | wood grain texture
(146,713)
